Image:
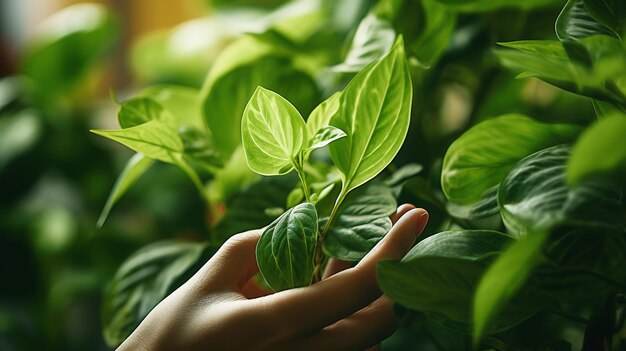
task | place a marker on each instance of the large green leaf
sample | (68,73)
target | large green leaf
(440,274)
(286,248)
(67,45)
(239,70)
(135,168)
(362,220)
(575,22)
(142,281)
(272,133)
(372,39)
(610,13)
(374,111)
(534,196)
(601,149)
(478,160)
(503,280)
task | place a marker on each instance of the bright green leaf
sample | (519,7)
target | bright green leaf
(325,136)
(140,110)
(502,281)
(142,281)
(478,160)
(601,149)
(376,120)
(135,168)
(362,220)
(286,248)
(272,133)
(321,115)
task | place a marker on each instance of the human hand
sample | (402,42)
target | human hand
(220,308)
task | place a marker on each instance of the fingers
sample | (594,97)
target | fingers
(404,208)
(362,330)
(347,291)
(233,264)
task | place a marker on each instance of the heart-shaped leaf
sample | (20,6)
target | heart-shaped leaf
(362,220)
(272,133)
(286,248)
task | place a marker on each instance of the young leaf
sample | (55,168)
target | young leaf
(440,274)
(600,150)
(374,111)
(478,160)
(286,248)
(142,281)
(534,196)
(325,136)
(140,110)
(504,279)
(321,115)
(272,133)
(362,220)
(135,168)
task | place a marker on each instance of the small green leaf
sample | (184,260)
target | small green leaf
(325,136)
(272,133)
(376,120)
(199,148)
(140,110)
(478,160)
(534,196)
(440,274)
(601,149)
(286,248)
(503,280)
(373,38)
(321,115)
(401,175)
(135,168)
(362,220)
(575,22)
(142,281)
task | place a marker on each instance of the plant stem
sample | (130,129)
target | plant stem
(333,212)
(305,188)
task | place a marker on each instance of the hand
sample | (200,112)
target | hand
(220,309)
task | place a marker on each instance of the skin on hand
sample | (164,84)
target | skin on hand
(220,307)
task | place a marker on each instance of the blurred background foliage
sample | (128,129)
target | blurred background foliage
(63,66)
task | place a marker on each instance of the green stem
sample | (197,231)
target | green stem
(333,212)
(305,188)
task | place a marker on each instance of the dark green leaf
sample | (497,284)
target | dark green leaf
(534,196)
(504,279)
(135,168)
(436,33)
(286,248)
(610,13)
(145,279)
(440,274)
(575,22)
(362,220)
(376,121)
(199,149)
(478,160)
(401,175)
(601,149)
(140,110)
(490,5)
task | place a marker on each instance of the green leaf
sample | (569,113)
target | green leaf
(362,220)
(199,149)
(440,274)
(140,110)
(504,279)
(437,31)
(610,13)
(534,196)
(601,149)
(478,160)
(375,120)
(325,136)
(272,133)
(286,248)
(142,281)
(321,115)
(372,39)
(154,139)
(575,22)
(182,103)
(491,5)
(135,168)
(238,71)
(401,175)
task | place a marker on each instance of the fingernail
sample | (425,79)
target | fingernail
(421,222)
